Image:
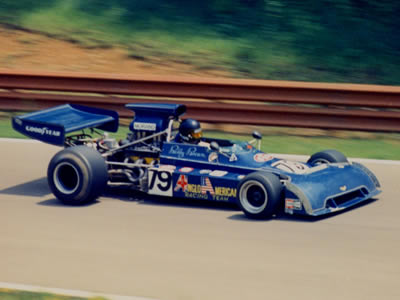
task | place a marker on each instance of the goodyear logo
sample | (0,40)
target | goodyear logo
(42,131)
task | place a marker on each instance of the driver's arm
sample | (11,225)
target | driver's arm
(204,144)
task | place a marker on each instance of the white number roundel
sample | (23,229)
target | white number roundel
(262,157)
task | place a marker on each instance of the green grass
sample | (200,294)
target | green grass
(6,130)
(279,40)
(384,147)
(6,294)
(375,146)
(198,46)
(64,22)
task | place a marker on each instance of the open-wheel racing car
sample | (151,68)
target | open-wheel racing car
(159,157)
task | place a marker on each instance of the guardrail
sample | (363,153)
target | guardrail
(256,102)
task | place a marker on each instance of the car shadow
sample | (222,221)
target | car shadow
(34,188)
(56,203)
(40,188)
(145,199)
(282,216)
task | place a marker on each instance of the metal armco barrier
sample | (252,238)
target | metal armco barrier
(257,102)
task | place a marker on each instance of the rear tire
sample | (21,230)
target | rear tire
(259,195)
(327,156)
(77,175)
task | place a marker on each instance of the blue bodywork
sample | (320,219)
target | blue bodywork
(51,125)
(153,117)
(197,171)
(308,190)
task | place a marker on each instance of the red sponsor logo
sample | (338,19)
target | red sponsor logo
(181,184)
(262,157)
(185,170)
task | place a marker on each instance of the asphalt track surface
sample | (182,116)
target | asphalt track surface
(177,249)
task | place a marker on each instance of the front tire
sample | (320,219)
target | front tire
(77,175)
(327,156)
(259,195)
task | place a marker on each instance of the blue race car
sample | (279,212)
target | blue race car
(163,155)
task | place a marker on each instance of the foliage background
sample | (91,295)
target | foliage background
(332,41)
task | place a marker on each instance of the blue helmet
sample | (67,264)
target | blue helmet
(190,131)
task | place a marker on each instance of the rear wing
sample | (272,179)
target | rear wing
(51,125)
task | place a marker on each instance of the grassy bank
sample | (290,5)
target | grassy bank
(332,41)
(6,294)
(275,140)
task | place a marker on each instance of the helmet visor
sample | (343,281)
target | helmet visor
(197,134)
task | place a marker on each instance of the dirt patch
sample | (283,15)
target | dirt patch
(25,50)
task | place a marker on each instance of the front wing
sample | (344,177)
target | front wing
(334,188)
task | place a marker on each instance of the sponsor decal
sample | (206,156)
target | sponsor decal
(225,191)
(233,157)
(206,186)
(42,131)
(185,170)
(290,166)
(292,204)
(192,152)
(262,157)
(213,156)
(205,190)
(167,167)
(218,173)
(144,126)
(177,151)
(205,171)
(181,184)
(194,188)
(343,188)
(199,191)
(240,176)
(18,121)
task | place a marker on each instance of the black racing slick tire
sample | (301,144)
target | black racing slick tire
(259,195)
(327,156)
(77,175)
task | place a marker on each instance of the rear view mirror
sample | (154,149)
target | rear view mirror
(257,139)
(257,135)
(214,146)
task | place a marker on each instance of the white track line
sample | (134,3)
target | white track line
(64,292)
(284,156)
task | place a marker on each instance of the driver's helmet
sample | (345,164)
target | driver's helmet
(190,131)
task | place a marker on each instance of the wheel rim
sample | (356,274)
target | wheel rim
(253,197)
(320,161)
(66,178)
